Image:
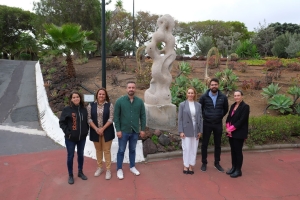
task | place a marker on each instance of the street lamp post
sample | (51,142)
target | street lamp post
(133,53)
(103,55)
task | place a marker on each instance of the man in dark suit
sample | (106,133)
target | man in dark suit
(214,108)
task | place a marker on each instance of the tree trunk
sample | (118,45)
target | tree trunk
(70,67)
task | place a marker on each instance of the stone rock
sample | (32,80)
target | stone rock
(164,140)
(174,138)
(157,132)
(170,148)
(149,147)
(148,133)
(161,148)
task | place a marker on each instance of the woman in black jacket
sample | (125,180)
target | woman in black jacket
(237,130)
(73,122)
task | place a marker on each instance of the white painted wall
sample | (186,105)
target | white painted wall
(50,124)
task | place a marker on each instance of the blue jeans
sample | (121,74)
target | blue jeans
(70,145)
(132,138)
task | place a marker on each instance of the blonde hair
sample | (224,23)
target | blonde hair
(192,88)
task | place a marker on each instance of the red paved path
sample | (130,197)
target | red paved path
(40,176)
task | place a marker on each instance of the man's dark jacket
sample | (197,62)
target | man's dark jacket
(213,114)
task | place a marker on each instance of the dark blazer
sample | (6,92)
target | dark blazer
(185,122)
(240,120)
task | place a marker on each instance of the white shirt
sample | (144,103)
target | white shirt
(193,111)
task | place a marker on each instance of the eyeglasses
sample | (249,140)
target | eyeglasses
(213,84)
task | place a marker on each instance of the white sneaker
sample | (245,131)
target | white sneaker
(108,175)
(98,171)
(120,174)
(134,171)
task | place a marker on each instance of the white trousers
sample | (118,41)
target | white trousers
(189,147)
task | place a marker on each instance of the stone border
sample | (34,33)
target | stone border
(177,154)
(50,124)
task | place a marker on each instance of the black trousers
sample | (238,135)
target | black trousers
(217,130)
(236,146)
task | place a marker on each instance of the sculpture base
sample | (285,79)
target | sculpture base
(162,117)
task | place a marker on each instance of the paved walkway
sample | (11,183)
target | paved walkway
(271,174)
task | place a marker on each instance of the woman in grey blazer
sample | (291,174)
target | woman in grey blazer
(190,128)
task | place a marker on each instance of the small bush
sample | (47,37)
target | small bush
(81,61)
(113,63)
(231,64)
(242,66)
(294,66)
(270,129)
(273,64)
(52,70)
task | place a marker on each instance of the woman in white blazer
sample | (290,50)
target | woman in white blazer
(190,128)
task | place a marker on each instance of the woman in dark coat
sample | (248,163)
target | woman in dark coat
(237,130)
(73,122)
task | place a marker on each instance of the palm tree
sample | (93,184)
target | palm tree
(68,39)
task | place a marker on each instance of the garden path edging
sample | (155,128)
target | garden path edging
(177,154)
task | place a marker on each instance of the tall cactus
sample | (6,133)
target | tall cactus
(216,51)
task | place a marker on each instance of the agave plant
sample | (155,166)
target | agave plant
(295,92)
(184,68)
(270,91)
(198,85)
(281,103)
(227,80)
(297,109)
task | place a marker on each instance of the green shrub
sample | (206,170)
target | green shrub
(280,44)
(255,62)
(270,129)
(154,139)
(25,56)
(246,50)
(52,70)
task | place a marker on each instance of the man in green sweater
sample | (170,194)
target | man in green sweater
(130,121)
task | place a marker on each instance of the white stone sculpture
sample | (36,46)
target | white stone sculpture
(160,112)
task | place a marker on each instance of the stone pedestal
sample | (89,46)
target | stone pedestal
(162,117)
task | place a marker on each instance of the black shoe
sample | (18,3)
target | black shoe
(186,171)
(230,171)
(203,167)
(71,180)
(236,174)
(82,176)
(218,167)
(191,172)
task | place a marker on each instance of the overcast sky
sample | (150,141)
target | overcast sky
(250,12)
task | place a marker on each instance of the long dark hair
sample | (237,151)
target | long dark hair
(81,103)
(106,94)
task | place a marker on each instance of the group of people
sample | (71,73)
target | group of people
(200,119)
(195,120)
(76,121)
